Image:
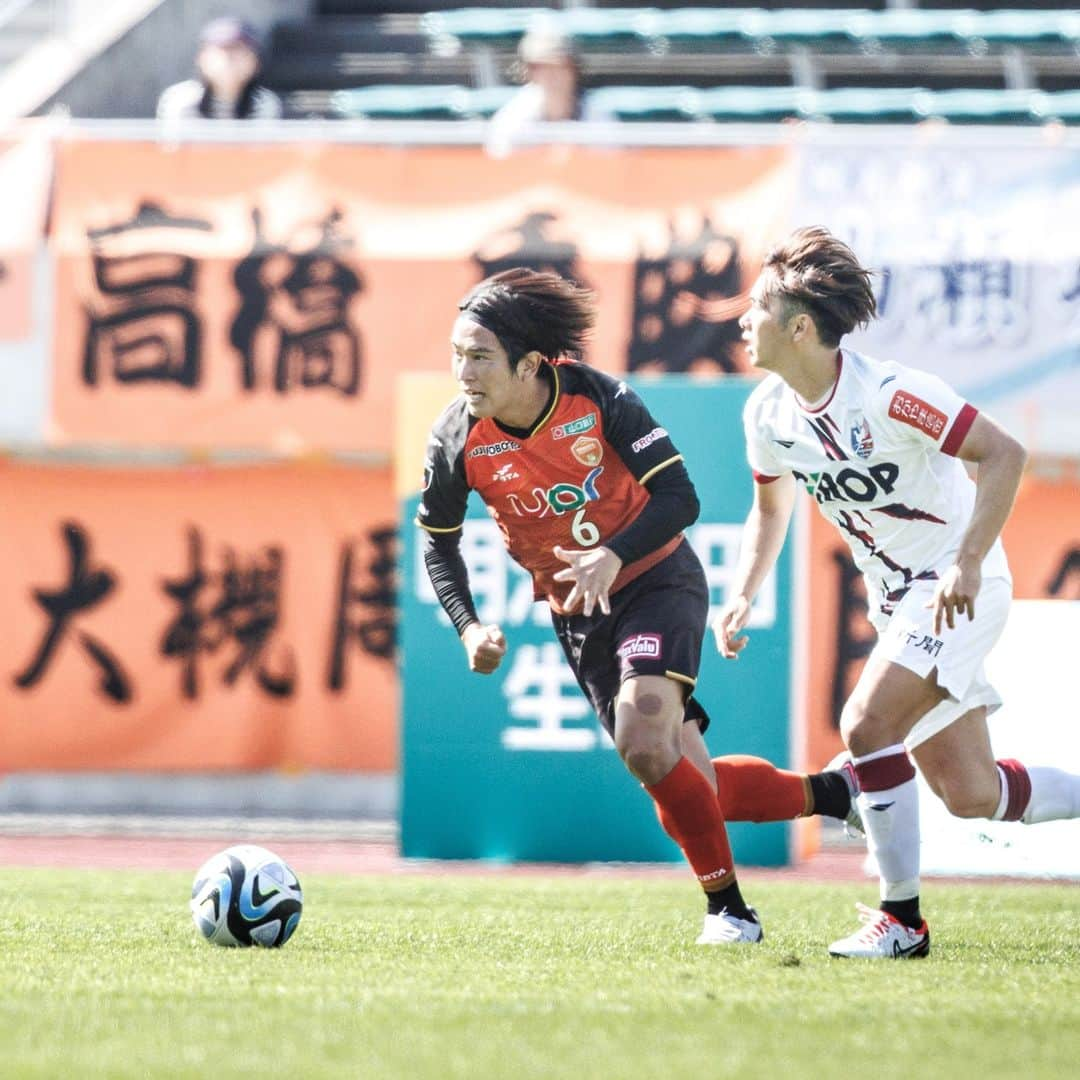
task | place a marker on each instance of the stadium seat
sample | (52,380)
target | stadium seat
(853,105)
(982,106)
(420,102)
(653,104)
(1063,105)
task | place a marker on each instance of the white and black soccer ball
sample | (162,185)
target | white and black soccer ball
(246,895)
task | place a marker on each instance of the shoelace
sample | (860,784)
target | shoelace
(877,922)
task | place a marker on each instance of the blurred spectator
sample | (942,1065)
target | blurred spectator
(227,87)
(552,92)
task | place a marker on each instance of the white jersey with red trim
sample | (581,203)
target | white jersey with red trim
(878,456)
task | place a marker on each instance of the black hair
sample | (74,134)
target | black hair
(533,311)
(245,103)
(813,271)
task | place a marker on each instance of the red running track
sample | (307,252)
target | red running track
(363,857)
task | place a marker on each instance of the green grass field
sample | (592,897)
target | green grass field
(103,974)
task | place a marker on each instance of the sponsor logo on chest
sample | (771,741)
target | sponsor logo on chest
(851,485)
(506,446)
(559,498)
(574,427)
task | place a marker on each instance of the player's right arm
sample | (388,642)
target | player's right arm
(441,516)
(763,537)
(766,525)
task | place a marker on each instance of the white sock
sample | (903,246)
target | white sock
(891,818)
(1055,795)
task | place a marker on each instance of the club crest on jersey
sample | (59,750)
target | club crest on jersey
(862,441)
(574,427)
(587,450)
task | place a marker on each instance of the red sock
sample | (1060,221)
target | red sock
(690,814)
(753,789)
(1018,784)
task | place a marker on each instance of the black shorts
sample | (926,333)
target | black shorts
(656,627)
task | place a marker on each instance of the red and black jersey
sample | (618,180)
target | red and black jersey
(575,479)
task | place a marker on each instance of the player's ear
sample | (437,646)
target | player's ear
(802,328)
(529,364)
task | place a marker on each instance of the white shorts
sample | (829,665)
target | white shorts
(907,638)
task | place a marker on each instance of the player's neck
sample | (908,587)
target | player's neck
(534,402)
(815,376)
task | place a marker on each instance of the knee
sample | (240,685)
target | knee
(649,750)
(863,729)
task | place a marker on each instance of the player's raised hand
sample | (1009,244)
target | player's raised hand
(485,647)
(955,593)
(593,572)
(727,626)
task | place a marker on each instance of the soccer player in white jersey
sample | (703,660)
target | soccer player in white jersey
(881,447)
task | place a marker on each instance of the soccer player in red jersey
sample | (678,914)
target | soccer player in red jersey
(880,447)
(591,497)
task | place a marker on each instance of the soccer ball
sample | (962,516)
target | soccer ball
(246,895)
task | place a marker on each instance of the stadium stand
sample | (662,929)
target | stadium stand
(343,60)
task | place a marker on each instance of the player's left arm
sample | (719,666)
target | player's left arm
(648,452)
(1000,460)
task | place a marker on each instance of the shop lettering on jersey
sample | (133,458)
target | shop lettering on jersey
(851,485)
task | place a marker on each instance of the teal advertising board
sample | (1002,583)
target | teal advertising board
(514,766)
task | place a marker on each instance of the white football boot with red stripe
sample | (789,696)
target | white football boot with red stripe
(882,937)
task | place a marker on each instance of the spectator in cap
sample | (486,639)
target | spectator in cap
(552,91)
(227,88)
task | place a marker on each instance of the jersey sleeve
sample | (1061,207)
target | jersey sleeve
(923,408)
(446,491)
(763,462)
(629,427)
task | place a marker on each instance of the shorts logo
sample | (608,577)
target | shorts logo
(648,440)
(492,449)
(587,450)
(647,646)
(862,441)
(574,427)
(915,412)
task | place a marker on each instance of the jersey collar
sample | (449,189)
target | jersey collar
(545,416)
(832,393)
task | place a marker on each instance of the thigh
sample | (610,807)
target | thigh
(887,702)
(588,652)
(659,627)
(958,762)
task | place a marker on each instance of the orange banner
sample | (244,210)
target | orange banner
(197,619)
(1042,541)
(267,297)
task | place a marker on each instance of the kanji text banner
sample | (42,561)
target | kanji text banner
(197,619)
